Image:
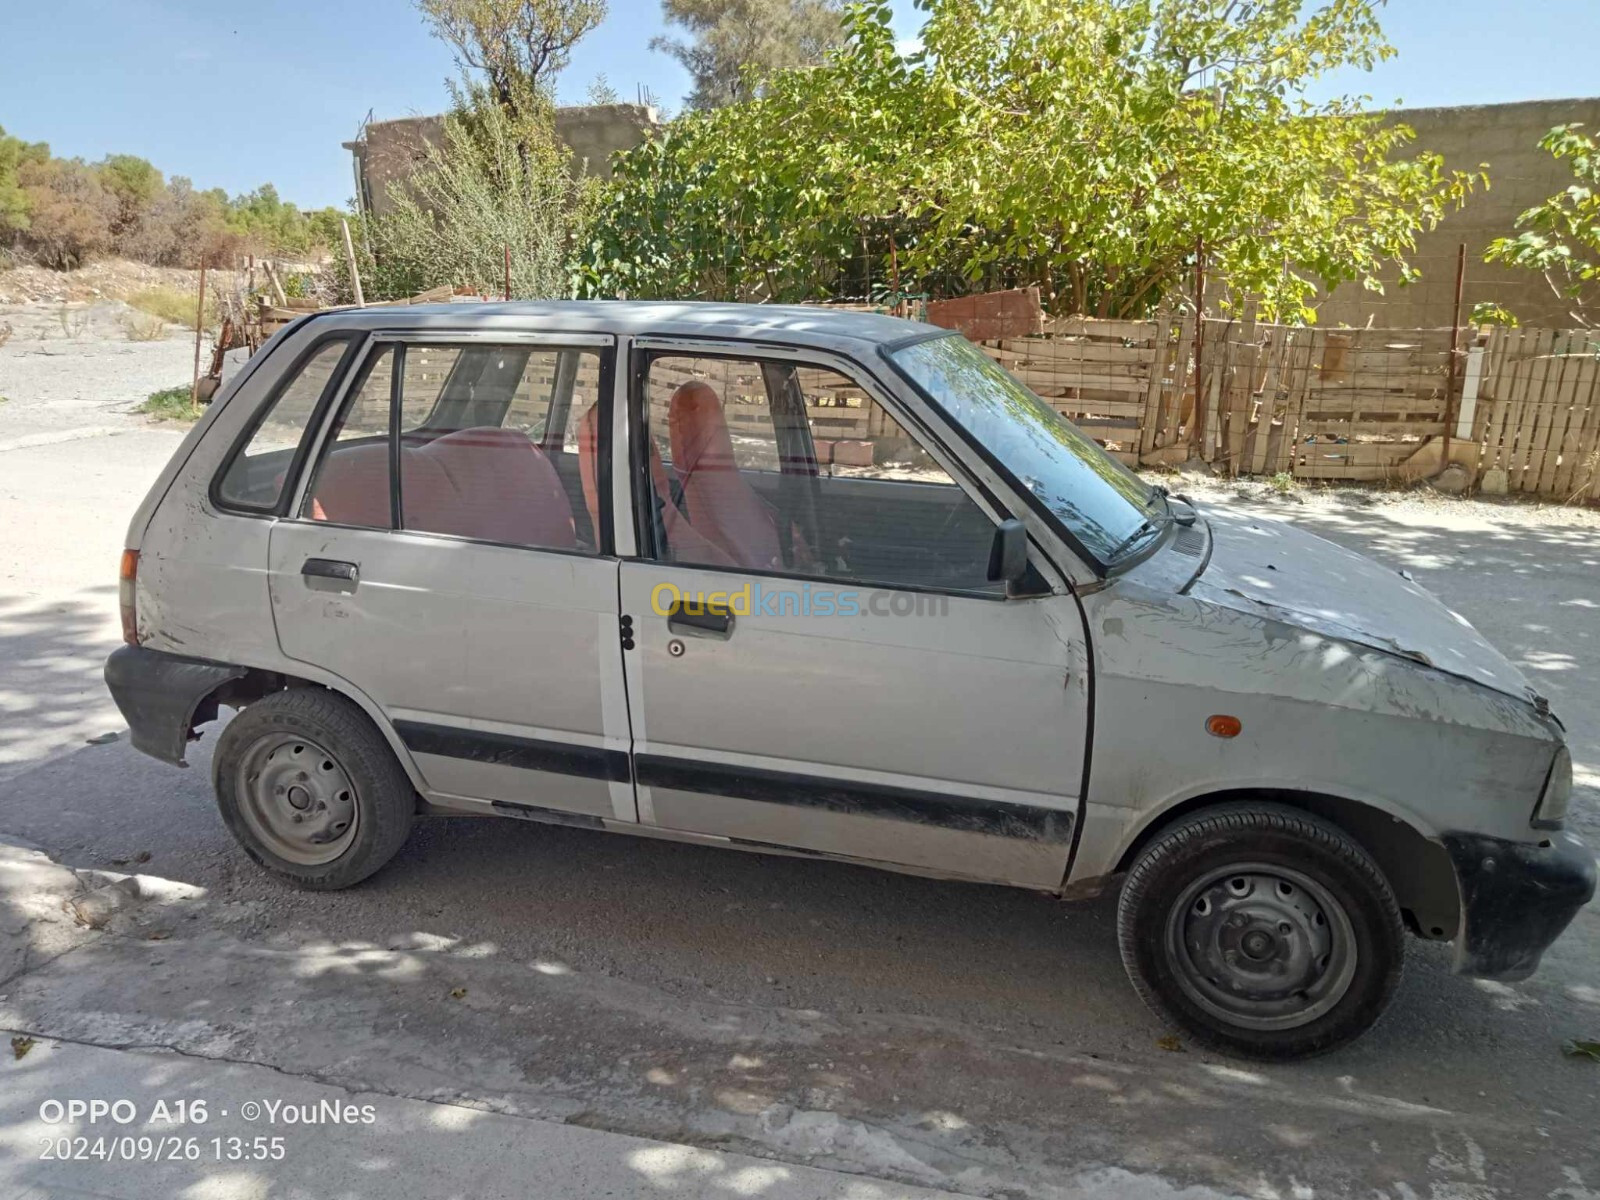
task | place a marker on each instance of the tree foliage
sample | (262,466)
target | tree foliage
(482,189)
(736,44)
(1089,148)
(1561,237)
(14,155)
(516,46)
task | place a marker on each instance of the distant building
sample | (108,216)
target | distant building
(387,152)
(1521,176)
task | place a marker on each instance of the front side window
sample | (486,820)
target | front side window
(1099,501)
(773,466)
(256,474)
(494,443)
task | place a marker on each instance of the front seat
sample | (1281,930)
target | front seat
(721,505)
(683,543)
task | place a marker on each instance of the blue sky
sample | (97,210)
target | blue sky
(269,90)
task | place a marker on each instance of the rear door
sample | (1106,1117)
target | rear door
(442,559)
(861,689)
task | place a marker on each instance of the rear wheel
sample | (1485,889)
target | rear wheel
(310,789)
(1262,931)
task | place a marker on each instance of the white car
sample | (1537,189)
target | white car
(832,584)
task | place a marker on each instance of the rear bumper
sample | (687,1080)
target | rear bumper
(159,694)
(1516,899)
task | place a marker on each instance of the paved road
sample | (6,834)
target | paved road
(949,1035)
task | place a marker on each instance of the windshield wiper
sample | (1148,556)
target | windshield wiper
(1146,528)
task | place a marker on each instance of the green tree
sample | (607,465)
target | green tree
(518,47)
(1561,237)
(1091,149)
(135,184)
(736,44)
(14,153)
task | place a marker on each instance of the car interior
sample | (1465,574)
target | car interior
(499,443)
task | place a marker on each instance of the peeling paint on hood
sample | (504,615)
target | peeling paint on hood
(1276,570)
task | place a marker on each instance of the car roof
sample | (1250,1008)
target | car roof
(802,325)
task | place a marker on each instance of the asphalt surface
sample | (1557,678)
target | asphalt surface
(949,1035)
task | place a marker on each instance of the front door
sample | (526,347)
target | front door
(445,561)
(857,685)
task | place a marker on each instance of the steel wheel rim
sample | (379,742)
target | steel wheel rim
(1261,946)
(297,799)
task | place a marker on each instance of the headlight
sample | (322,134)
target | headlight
(1551,812)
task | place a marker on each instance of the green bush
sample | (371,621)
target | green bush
(169,404)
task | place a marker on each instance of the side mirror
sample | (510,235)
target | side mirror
(1008,553)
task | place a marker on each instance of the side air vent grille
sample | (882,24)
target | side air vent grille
(1190,541)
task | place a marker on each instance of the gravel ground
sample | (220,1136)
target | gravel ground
(70,371)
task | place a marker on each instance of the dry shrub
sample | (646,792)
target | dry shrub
(143,327)
(173,306)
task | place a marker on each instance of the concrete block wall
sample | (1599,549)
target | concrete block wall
(388,151)
(1521,175)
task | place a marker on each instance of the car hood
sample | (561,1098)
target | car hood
(1275,570)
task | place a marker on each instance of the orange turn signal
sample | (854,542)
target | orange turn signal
(1223,726)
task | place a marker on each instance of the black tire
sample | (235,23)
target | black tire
(381,802)
(1272,870)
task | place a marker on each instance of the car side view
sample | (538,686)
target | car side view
(832,584)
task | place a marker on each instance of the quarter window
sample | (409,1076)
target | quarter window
(256,475)
(766,465)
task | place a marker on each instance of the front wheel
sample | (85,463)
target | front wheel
(311,790)
(1262,931)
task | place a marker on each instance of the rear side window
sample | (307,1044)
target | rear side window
(496,443)
(256,476)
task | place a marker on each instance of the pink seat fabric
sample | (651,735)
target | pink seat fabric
(486,483)
(683,543)
(722,507)
(352,487)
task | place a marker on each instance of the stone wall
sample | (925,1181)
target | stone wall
(1521,175)
(388,151)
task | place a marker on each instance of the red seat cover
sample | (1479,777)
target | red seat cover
(721,505)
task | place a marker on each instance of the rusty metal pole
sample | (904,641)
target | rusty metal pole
(508,271)
(199,325)
(1197,430)
(1455,340)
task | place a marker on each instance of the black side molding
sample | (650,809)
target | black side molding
(994,817)
(504,750)
(159,695)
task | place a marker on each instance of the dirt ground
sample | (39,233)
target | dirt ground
(970,1038)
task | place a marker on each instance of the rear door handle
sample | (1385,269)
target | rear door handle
(334,570)
(700,624)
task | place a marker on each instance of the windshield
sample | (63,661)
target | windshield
(1102,503)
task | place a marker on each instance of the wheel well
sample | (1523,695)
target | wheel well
(1417,869)
(248,688)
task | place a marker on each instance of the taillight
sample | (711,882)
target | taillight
(127,579)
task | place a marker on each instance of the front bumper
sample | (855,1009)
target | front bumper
(1516,898)
(159,694)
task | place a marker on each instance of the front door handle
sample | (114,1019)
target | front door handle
(342,575)
(707,623)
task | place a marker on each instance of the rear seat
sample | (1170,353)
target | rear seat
(484,482)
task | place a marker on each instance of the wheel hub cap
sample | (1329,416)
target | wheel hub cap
(1261,946)
(297,799)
